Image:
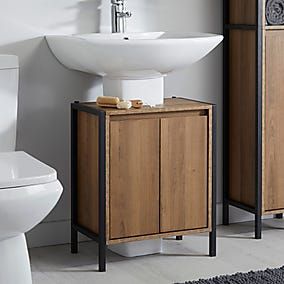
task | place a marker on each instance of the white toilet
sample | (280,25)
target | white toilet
(29,189)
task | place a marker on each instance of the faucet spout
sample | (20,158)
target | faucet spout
(119,16)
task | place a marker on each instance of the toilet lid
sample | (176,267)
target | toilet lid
(19,169)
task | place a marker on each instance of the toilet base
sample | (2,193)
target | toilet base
(14,261)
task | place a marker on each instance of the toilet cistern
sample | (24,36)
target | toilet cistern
(29,189)
(119,14)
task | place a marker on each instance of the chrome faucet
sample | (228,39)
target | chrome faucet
(119,16)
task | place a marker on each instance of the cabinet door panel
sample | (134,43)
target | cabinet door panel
(184,171)
(274,118)
(134,178)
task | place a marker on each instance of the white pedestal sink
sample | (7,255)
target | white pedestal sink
(134,64)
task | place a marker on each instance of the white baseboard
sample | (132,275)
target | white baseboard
(50,234)
(58,232)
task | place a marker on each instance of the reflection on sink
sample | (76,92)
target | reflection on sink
(133,64)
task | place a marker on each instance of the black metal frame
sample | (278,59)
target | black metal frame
(258,163)
(75,227)
(257,211)
(225,113)
(213,234)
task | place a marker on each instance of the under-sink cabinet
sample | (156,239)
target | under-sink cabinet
(143,174)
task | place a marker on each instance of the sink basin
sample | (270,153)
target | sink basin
(134,64)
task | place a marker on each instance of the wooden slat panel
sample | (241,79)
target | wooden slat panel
(184,169)
(242,123)
(134,178)
(88,187)
(274,122)
(242,12)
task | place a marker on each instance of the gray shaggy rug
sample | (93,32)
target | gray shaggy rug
(268,276)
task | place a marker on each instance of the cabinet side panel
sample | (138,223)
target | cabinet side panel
(134,178)
(184,173)
(242,116)
(88,186)
(274,122)
(242,12)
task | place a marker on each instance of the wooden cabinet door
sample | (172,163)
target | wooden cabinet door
(274,122)
(134,177)
(184,171)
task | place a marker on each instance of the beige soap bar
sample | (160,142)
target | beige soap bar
(124,105)
(108,101)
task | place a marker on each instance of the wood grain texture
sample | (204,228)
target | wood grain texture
(161,115)
(242,11)
(184,169)
(107,164)
(273,212)
(130,123)
(88,186)
(171,105)
(134,178)
(274,28)
(242,130)
(210,166)
(274,119)
(158,236)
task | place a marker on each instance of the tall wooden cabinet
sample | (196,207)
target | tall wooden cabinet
(143,174)
(253,111)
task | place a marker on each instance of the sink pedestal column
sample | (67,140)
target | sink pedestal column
(139,248)
(150,91)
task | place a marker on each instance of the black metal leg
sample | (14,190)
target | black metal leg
(74,241)
(226,114)
(102,194)
(279,216)
(259,125)
(179,238)
(213,244)
(212,235)
(226,213)
(102,257)
(74,232)
(258,225)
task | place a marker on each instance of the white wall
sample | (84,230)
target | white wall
(47,88)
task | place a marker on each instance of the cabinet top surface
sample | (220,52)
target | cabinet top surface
(170,105)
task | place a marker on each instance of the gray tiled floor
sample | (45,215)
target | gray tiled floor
(185,260)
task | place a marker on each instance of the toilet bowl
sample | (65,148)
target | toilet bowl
(29,189)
